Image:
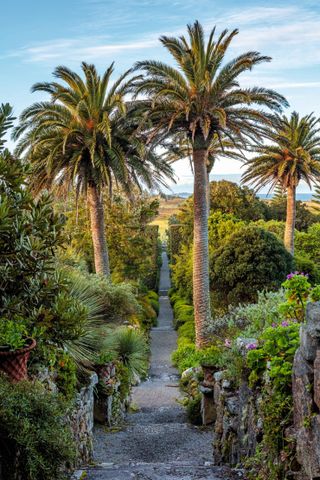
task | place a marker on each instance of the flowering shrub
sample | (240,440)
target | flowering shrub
(274,354)
(298,292)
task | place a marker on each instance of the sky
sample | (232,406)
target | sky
(36,36)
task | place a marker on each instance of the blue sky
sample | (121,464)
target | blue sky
(36,36)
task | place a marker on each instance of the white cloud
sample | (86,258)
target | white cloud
(89,48)
(291,35)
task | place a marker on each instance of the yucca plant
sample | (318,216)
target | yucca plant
(130,347)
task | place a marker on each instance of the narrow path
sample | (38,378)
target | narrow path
(158,442)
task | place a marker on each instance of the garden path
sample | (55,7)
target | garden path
(157,441)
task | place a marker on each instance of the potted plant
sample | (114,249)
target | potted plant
(15,347)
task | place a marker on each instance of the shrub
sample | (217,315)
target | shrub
(176,239)
(194,410)
(250,261)
(36,441)
(186,356)
(305,264)
(249,320)
(187,331)
(130,347)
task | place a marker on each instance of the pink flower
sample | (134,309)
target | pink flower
(227,343)
(285,323)
(251,346)
(274,325)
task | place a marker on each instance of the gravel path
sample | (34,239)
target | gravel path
(157,441)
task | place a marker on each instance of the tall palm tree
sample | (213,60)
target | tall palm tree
(180,147)
(293,155)
(83,138)
(202,98)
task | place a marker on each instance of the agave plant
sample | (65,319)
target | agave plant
(130,347)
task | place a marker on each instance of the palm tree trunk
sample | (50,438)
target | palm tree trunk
(290,219)
(201,292)
(208,191)
(100,249)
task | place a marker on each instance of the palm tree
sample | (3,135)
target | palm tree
(202,98)
(180,147)
(6,121)
(83,138)
(294,155)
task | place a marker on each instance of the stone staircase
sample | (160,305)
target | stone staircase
(157,442)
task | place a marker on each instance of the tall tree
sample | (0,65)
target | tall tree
(179,147)
(293,155)
(202,98)
(83,138)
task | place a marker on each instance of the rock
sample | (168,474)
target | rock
(232,404)
(302,379)
(192,371)
(313,319)
(208,409)
(206,390)
(308,344)
(316,382)
(218,376)
(226,384)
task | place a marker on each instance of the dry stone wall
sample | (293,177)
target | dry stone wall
(235,415)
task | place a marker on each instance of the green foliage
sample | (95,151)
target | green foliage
(304,264)
(194,410)
(176,234)
(29,236)
(271,369)
(275,356)
(186,356)
(13,333)
(298,292)
(66,378)
(182,272)
(308,243)
(220,227)
(276,227)
(132,243)
(291,156)
(116,302)
(37,442)
(248,320)
(240,201)
(131,348)
(82,136)
(251,260)
(275,454)
(304,217)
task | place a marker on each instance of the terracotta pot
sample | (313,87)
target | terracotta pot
(14,363)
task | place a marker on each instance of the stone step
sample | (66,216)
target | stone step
(160,471)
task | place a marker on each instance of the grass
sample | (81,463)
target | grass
(167,208)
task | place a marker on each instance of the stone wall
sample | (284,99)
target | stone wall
(235,418)
(111,400)
(82,421)
(306,395)
(235,414)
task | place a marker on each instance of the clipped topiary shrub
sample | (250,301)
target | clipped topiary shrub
(250,261)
